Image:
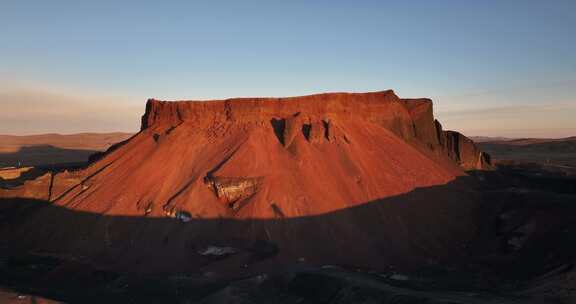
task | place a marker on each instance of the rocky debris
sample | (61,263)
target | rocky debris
(216,251)
(181,215)
(231,190)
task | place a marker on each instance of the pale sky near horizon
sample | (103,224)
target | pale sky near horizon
(493,68)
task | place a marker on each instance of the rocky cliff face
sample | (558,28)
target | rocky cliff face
(462,150)
(383,108)
(410,119)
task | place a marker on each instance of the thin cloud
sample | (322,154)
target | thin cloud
(513,89)
(507,110)
(30,110)
(544,120)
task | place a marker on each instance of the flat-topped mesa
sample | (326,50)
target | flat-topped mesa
(410,119)
(342,170)
(384,108)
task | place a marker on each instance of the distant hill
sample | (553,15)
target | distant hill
(479,139)
(558,151)
(529,141)
(54,149)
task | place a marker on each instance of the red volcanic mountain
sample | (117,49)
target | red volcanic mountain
(364,179)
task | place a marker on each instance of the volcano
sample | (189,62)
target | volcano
(365,179)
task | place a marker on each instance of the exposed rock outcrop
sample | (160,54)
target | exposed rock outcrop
(48,186)
(232,190)
(422,115)
(462,150)
(410,119)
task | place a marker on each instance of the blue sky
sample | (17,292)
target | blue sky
(495,68)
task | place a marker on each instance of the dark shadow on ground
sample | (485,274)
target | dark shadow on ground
(430,233)
(554,153)
(45,156)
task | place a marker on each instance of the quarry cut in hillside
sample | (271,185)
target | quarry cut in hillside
(370,176)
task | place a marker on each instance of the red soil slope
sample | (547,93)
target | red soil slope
(370,178)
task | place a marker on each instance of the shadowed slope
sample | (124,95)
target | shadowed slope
(404,232)
(44,155)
